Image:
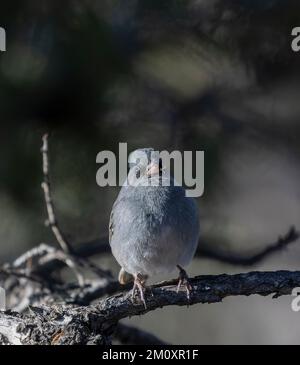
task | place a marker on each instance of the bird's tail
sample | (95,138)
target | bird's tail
(125,277)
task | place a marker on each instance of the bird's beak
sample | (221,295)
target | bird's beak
(152,169)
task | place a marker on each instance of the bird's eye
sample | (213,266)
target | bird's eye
(137,173)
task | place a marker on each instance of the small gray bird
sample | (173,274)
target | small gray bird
(153,228)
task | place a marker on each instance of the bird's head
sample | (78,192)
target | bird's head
(145,162)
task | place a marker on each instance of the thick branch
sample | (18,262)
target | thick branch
(207,289)
(66,324)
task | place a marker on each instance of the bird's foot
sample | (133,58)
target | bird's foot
(139,285)
(184,280)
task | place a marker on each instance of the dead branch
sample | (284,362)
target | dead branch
(251,258)
(69,324)
(67,255)
(52,222)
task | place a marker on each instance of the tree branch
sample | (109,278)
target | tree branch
(253,258)
(67,256)
(66,324)
(52,222)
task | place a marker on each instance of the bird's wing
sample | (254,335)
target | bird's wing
(111,220)
(123,211)
(111,225)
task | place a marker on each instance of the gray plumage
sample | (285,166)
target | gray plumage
(152,228)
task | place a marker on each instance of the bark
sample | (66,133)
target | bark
(96,323)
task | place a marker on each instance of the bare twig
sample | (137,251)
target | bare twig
(23,289)
(68,255)
(8,271)
(250,259)
(52,222)
(66,324)
(33,280)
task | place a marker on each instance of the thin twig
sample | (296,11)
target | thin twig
(8,271)
(52,222)
(70,258)
(250,259)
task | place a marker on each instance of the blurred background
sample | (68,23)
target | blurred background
(212,75)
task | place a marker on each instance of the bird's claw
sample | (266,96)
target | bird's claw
(139,285)
(184,280)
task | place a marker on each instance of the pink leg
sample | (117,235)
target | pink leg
(139,284)
(184,280)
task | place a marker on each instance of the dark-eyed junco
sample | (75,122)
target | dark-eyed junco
(153,228)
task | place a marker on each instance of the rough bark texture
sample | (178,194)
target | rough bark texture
(95,323)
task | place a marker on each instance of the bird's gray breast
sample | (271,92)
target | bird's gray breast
(154,229)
